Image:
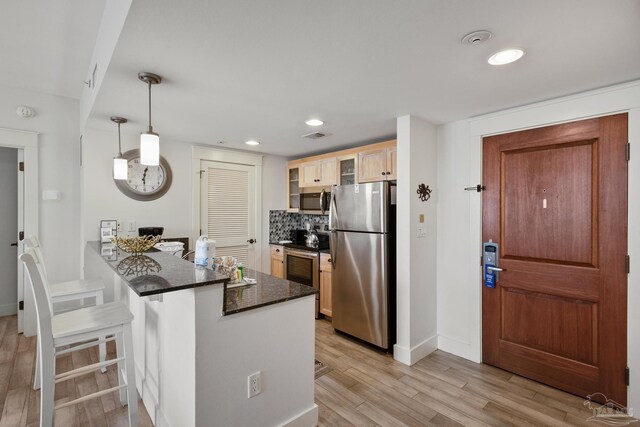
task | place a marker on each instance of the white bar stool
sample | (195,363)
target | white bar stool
(73,290)
(81,327)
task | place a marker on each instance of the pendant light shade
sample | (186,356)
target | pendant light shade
(120,168)
(120,165)
(150,148)
(149,140)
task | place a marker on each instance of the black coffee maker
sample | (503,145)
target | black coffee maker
(150,231)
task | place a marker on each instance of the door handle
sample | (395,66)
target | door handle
(496,268)
(15,244)
(252,241)
(322,197)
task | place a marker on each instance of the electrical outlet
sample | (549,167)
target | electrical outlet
(254,384)
(422,231)
(132,226)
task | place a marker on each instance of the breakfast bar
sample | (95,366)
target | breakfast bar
(197,342)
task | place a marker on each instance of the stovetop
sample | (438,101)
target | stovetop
(301,245)
(299,242)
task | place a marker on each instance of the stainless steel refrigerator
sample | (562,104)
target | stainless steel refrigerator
(362,224)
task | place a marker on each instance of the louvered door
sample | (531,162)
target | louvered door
(227,209)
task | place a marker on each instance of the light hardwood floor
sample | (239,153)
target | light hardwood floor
(369,388)
(20,404)
(364,388)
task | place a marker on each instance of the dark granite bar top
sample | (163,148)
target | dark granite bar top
(322,251)
(156,272)
(267,290)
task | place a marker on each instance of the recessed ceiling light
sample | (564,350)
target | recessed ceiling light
(314,122)
(252,142)
(506,56)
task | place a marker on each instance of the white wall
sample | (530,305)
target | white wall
(8,230)
(101,199)
(174,211)
(459,214)
(416,257)
(274,197)
(58,149)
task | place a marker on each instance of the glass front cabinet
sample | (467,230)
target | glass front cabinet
(348,169)
(293,187)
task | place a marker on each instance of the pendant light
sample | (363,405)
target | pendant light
(149,140)
(120,165)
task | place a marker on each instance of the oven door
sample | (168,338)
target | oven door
(303,267)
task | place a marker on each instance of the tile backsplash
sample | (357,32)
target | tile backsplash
(282,223)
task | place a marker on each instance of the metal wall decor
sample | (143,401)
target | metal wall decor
(424,192)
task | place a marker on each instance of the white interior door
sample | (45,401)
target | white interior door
(228,209)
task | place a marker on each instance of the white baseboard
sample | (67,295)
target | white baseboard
(459,348)
(409,356)
(308,418)
(8,309)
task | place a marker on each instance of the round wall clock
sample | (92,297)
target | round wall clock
(144,182)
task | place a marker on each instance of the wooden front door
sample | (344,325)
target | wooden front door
(556,203)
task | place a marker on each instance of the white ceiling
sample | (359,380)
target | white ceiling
(244,69)
(46,46)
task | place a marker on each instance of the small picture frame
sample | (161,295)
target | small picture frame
(106,234)
(108,229)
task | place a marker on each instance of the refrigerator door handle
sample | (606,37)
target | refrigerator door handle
(332,209)
(333,250)
(323,196)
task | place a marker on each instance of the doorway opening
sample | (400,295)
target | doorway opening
(9,231)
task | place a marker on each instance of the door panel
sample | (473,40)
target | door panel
(228,209)
(548,203)
(359,288)
(556,203)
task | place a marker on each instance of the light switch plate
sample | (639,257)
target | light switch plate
(422,231)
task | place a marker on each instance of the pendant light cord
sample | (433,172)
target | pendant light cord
(119,143)
(150,128)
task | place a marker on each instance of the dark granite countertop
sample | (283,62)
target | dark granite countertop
(267,290)
(322,251)
(156,272)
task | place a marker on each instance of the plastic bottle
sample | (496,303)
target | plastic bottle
(202,251)
(241,270)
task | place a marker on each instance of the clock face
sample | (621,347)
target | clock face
(144,182)
(144,179)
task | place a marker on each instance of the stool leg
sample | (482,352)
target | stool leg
(102,348)
(132,393)
(121,366)
(36,378)
(47,391)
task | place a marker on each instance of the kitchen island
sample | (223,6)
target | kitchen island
(196,342)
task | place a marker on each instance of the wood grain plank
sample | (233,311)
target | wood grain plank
(14,406)
(346,411)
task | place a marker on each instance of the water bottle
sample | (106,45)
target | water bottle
(202,251)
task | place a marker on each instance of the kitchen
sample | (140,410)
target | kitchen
(439,293)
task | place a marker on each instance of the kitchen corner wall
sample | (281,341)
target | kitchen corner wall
(416,256)
(102,200)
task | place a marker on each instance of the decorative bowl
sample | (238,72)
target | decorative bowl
(135,245)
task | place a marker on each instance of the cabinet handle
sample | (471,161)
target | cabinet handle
(384,173)
(329,260)
(277,250)
(388,173)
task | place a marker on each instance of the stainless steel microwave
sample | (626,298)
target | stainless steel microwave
(315,202)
